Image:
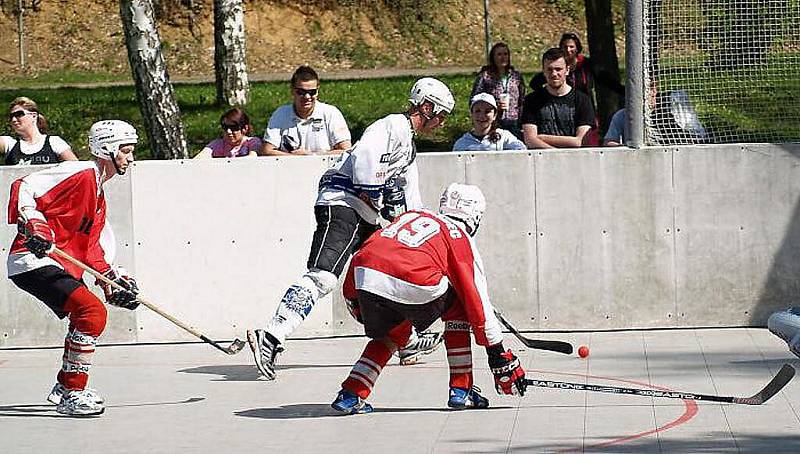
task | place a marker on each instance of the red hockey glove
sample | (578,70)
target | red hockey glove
(126,298)
(39,237)
(509,376)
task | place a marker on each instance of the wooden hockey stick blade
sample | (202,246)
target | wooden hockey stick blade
(553,346)
(235,346)
(776,384)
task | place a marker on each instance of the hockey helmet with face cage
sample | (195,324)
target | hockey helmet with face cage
(435,91)
(463,202)
(107,136)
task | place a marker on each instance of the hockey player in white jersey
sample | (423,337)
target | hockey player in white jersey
(375,178)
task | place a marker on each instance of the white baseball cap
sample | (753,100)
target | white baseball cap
(485,97)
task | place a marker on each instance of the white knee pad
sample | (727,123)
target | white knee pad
(324,281)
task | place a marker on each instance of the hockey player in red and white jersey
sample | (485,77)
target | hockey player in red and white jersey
(64,206)
(373,179)
(422,267)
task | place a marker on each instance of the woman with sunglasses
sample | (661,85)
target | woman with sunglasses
(235,141)
(33,145)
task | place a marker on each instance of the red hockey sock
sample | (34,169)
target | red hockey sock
(87,317)
(376,354)
(459,353)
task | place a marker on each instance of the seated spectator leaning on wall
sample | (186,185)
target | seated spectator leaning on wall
(485,135)
(306,125)
(558,116)
(500,79)
(235,141)
(33,146)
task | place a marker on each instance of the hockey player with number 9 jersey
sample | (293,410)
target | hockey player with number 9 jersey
(422,267)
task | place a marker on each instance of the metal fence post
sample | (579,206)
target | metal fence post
(634,69)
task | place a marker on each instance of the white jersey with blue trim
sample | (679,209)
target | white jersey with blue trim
(358,178)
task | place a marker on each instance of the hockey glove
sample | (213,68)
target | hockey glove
(118,297)
(39,237)
(509,376)
(394,201)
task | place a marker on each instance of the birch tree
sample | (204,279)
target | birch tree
(230,67)
(160,112)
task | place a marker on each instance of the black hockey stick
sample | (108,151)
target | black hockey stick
(553,346)
(232,349)
(776,384)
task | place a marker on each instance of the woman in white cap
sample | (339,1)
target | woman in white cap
(485,135)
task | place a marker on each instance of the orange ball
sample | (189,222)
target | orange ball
(583,351)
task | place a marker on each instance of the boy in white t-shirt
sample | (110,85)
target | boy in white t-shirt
(306,125)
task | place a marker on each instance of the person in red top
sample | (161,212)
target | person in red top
(421,267)
(64,206)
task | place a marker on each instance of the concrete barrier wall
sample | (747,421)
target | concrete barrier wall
(581,239)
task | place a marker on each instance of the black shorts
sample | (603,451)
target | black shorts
(50,284)
(380,315)
(340,232)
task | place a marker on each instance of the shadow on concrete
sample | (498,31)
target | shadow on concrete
(248,372)
(782,286)
(709,443)
(29,410)
(189,400)
(305,411)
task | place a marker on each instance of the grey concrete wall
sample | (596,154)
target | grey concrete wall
(578,239)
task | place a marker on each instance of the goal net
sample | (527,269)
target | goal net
(722,71)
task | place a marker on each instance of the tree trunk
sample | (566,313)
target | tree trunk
(230,68)
(160,112)
(603,51)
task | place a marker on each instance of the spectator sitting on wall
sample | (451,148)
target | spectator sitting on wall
(485,135)
(306,125)
(34,146)
(500,79)
(235,140)
(558,116)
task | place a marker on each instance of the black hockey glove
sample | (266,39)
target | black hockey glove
(394,201)
(509,376)
(118,297)
(39,237)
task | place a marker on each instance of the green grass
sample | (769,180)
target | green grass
(70,111)
(61,77)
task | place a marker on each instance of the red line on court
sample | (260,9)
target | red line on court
(690,411)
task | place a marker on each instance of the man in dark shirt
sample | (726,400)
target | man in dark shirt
(558,116)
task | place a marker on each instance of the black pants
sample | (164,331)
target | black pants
(50,284)
(340,232)
(380,315)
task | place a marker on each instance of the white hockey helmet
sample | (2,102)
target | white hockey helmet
(107,136)
(435,91)
(463,202)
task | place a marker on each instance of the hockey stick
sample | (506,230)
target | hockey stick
(232,349)
(553,346)
(776,384)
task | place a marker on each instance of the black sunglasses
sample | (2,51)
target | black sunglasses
(302,91)
(16,114)
(232,126)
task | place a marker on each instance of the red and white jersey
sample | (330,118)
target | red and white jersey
(70,199)
(416,258)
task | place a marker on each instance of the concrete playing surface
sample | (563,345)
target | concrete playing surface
(191,398)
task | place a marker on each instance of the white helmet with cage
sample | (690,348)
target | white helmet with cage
(463,202)
(107,136)
(435,91)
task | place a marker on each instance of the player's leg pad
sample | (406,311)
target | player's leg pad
(459,353)
(348,403)
(265,349)
(59,390)
(77,360)
(423,344)
(461,399)
(79,403)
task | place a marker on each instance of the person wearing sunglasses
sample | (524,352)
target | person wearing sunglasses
(306,125)
(33,145)
(235,141)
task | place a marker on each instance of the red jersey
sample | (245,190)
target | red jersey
(415,259)
(70,199)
